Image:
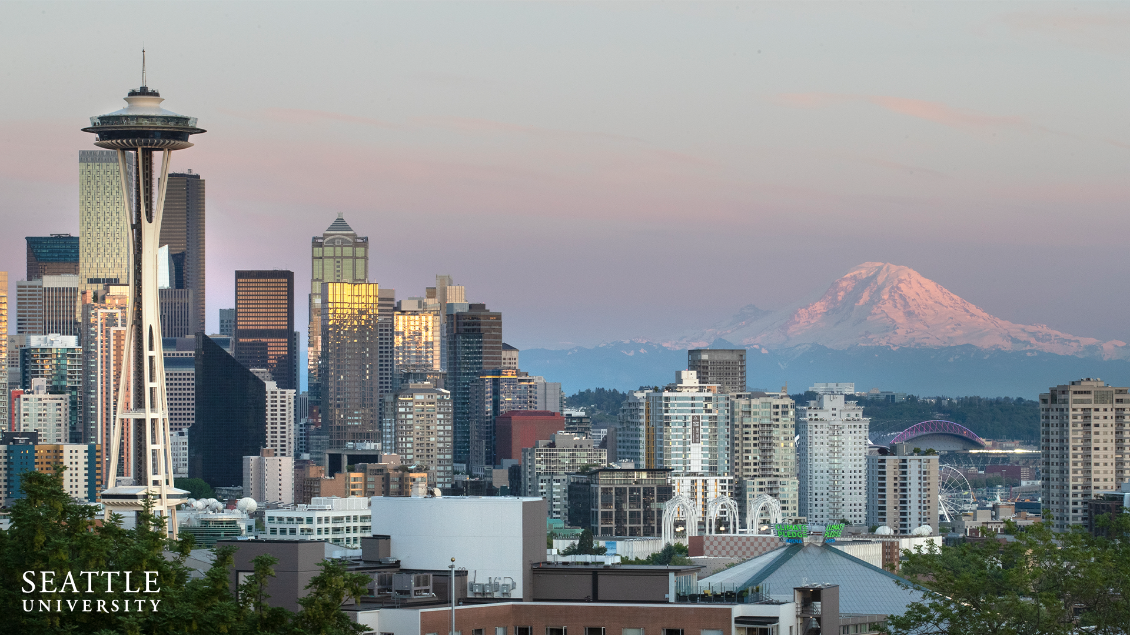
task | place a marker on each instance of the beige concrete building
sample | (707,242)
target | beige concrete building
(902,490)
(424,435)
(763,450)
(280,420)
(1083,446)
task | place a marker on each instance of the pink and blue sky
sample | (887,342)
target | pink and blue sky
(605,171)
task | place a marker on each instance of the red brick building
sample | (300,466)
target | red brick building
(519,429)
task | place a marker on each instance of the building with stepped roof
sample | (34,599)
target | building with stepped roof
(864,588)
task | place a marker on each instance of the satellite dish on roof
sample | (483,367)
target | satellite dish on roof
(884,531)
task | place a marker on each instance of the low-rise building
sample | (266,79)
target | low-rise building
(493,538)
(341,521)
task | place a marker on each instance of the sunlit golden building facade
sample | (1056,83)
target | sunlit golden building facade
(348,366)
(104,245)
(264,324)
(338,255)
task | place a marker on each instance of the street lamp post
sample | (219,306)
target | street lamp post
(452,567)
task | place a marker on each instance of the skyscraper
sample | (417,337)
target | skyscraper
(416,338)
(103,337)
(338,255)
(474,344)
(724,367)
(104,234)
(1083,445)
(227,322)
(58,360)
(279,424)
(4,347)
(264,324)
(832,460)
(494,393)
(178,312)
(52,255)
(348,365)
(444,293)
(231,416)
(47,305)
(182,229)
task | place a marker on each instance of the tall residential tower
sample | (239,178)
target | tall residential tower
(1083,445)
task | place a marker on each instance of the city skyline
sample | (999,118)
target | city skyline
(947,138)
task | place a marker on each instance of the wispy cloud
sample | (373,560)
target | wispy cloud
(933,111)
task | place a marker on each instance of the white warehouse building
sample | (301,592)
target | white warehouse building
(493,538)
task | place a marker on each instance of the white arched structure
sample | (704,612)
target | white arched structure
(721,507)
(679,506)
(756,506)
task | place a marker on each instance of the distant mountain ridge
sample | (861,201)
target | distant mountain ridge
(878,325)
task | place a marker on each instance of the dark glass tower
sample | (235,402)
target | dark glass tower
(474,344)
(53,255)
(264,324)
(231,416)
(182,229)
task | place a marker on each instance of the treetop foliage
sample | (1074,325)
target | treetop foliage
(1035,582)
(50,532)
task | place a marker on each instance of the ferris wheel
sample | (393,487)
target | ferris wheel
(954,493)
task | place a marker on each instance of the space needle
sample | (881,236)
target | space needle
(141,421)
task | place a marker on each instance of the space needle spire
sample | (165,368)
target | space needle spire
(140,439)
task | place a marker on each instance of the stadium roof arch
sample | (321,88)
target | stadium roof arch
(940,435)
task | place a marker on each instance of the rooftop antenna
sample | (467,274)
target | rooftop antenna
(143,84)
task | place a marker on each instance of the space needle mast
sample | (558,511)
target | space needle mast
(137,132)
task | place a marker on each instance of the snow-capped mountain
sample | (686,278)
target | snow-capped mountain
(880,304)
(879,325)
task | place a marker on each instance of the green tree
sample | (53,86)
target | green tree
(321,608)
(584,546)
(50,532)
(253,596)
(196,488)
(1035,583)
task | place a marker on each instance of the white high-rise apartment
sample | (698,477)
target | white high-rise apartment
(1083,445)
(269,478)
(684,427)
(763,449)
(902,490)
(49,415)
(832,461)
(280,420)
(104,246)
